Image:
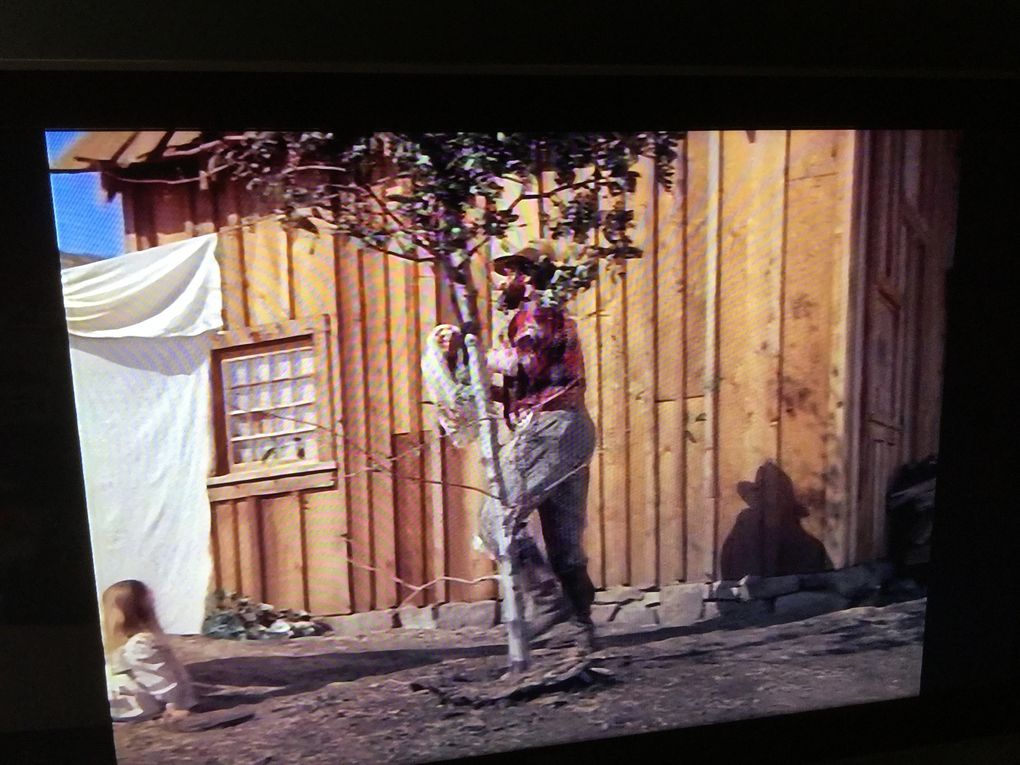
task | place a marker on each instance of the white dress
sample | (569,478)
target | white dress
(143,676)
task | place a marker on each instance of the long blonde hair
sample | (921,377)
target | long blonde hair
(128,608)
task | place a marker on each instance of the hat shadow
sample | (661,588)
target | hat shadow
(767,538)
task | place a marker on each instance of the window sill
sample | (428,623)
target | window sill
(281,479)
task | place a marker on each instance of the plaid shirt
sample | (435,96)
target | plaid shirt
(540,358)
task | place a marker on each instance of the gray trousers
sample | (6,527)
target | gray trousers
(545,468)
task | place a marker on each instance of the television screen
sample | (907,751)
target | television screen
(413,446)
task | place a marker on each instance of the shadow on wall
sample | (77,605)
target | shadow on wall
(767,538)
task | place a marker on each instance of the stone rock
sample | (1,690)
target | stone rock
(651,599)
(743,610)
(603,613)
(821,580)
(681,604)
(905,589)
(637,615)
(455,616)
(618,594)
(414,618)
(804,604)
(884,570)
(771,586)
(855,582)
(361,624)
(724,590)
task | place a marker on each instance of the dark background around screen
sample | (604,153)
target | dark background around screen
(972,661)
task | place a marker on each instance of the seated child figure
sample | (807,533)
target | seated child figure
(144,678)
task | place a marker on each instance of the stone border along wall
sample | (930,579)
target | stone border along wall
(675,605)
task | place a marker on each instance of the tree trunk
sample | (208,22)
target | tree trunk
(466,305)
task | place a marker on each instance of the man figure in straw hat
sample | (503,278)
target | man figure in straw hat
(545,463)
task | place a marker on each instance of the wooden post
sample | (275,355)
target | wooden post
(711,451)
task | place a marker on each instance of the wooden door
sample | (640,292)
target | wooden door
(910,209)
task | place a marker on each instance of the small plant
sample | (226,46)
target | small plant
(235,617)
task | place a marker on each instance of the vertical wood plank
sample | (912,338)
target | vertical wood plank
(128,202)
(171,212)
(312,281)
(142,217)
(838,423)
(401,329)
(433,453)
(670,320)
(416,464)
(204,214)
(642,371)
(233,272)
(701,231)
(749,330)
(713,222)
(808,364)
(250,548)
(380,402)
(410,552)
(226,542)
(284,565)
(327,574)
(586,310)
(613,372)
(265,250)
(354,423)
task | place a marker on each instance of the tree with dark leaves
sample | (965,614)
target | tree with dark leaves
(439,198)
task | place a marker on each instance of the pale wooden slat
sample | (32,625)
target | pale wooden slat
(313,285)
(233,272)
(327,573)
(226,545)
(354,425)
(410,535)
(670,376)
(250,535)
(380,402)
(265,249)
(642,373)
(856,314)
(401,328)
(415,464)
(317,480)
(585,311)
(283,561)
(433,453)
(836,478)
(749,337)
(807,332)
(702,234)
(814,153)
(614,428)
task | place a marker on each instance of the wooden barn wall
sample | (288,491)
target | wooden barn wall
(722,348)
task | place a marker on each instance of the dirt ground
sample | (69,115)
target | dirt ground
(349,700)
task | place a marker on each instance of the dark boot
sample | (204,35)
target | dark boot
(580,594)
(548,606)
